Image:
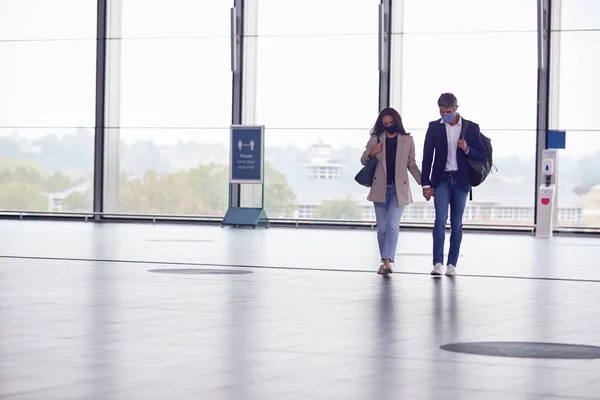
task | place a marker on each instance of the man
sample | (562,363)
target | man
(448,180)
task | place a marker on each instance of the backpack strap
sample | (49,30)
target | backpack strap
(463,133)
(463,129)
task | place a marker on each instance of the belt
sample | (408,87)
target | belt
(391,182)
(451,173)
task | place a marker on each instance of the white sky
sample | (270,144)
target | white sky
(316,66)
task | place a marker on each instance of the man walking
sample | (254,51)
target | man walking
(445,176)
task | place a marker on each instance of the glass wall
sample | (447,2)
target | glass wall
(311,77)
(47,104)
(487,56)
(169,107)
(574,91)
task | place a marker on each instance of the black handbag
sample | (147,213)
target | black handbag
(366,174)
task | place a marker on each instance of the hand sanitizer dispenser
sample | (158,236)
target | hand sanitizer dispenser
(548,169)
(548,166)
(546,197)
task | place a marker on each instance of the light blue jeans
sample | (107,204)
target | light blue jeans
(388,216)
(448,194)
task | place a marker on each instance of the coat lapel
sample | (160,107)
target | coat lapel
(400,163)
(382,159)
(444,140)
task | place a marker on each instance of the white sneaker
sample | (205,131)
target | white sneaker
(437,269)
(451,270)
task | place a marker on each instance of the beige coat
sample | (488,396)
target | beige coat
(405,161)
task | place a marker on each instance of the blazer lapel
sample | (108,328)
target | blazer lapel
(382,159)
(444,139)
(400,158)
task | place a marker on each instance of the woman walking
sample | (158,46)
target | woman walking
(394,149)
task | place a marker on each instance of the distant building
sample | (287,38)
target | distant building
(321,165)
(55,200)
(325,173)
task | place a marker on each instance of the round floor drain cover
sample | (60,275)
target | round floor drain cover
(526,350)
(201,271)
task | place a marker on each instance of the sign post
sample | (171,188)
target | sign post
(246,165)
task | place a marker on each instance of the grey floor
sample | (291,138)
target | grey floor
(83,315)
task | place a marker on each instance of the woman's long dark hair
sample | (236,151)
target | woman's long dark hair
(378,129)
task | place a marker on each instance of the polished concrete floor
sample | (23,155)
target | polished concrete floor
(85,315)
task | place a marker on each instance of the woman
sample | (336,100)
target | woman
(390,190)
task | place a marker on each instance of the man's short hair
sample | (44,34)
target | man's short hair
(447,100)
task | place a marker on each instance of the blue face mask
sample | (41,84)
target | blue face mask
(448,118)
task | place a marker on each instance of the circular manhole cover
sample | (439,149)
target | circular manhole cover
(201,271)
(526,350)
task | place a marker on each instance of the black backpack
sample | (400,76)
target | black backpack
(479,170)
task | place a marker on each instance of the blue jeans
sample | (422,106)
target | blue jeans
(388,216)
(447,193)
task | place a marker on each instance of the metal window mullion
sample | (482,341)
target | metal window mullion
(237,42)
(543,30)
(112,108)
(99,127)
(384,52)
(554,48)
(237,34)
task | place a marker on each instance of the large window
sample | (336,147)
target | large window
(311,77)
(169,107)
(574,93)
(47,76)
(487,56)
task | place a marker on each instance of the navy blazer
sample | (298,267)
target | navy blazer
(436,142)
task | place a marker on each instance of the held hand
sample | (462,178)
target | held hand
(375,150)
(462,144)
(427,193)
